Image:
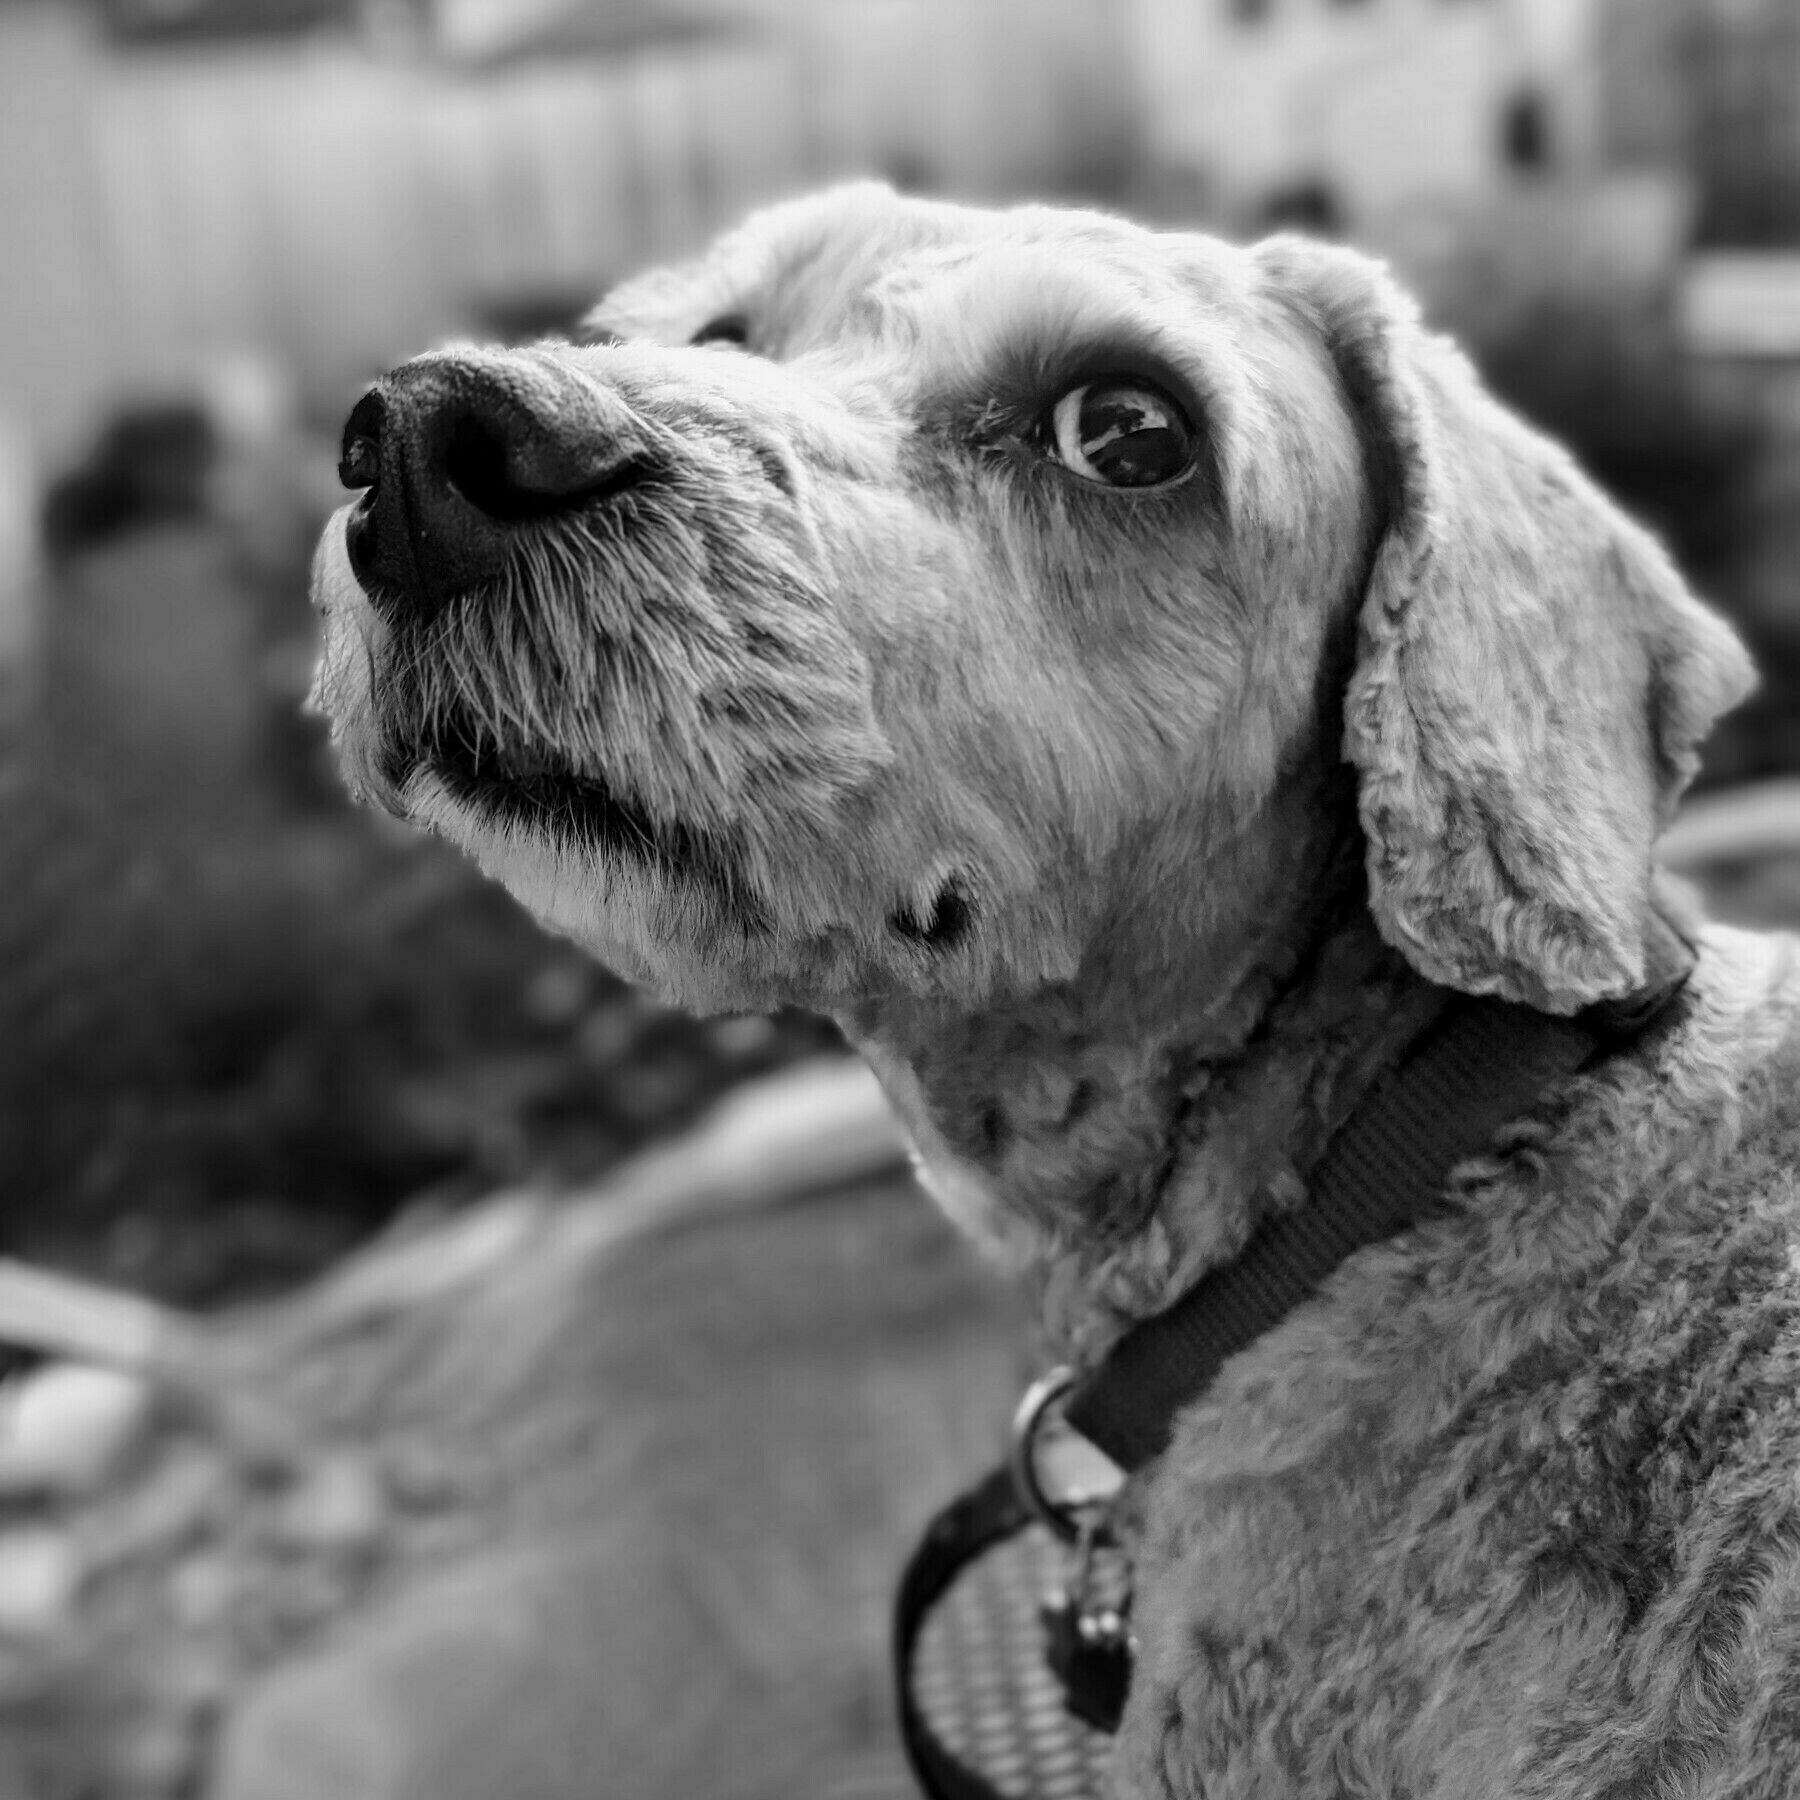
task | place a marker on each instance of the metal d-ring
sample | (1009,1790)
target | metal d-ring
(1061,1515)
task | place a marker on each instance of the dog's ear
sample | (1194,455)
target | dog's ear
(1532,679)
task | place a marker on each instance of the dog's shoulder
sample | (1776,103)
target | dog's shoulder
(1531,1468)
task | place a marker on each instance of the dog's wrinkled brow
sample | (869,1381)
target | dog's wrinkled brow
(742,276)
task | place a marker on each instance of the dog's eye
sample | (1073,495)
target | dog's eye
(1122,433)
(733,328)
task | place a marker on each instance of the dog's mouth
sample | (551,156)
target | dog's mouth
(512,784)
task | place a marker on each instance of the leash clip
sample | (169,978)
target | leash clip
(1088,1641)
(1064,1481)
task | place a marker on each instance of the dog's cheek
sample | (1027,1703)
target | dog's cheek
(751,696)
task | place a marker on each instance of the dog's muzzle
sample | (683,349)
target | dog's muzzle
(457,454)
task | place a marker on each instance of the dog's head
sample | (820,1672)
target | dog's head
(912,599)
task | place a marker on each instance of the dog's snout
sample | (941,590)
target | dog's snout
(455,459)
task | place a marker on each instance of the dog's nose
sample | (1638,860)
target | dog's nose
(459,457)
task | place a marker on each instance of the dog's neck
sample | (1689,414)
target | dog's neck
(1124,1132)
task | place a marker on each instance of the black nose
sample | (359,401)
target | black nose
(458,457)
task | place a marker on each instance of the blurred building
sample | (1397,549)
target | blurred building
(1351,112)
(1342,111)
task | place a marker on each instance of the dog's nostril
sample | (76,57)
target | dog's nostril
(512,482)
(359,460)
(360,464)
(460,459)
(475,466)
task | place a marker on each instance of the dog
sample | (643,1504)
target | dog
(1129,681)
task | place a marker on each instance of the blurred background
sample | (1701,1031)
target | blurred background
(421,1386)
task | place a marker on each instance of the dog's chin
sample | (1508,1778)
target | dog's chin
(650,901)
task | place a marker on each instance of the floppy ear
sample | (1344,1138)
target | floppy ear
(1532,678)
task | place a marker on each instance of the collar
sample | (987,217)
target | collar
(1481,1063)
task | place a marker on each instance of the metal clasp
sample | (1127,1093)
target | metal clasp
(1088,1641)
(1062,1480)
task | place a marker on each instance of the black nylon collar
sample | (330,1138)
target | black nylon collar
(1480,1064)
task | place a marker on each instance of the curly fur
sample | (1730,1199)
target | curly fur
(1131,835)
(1513,1509)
